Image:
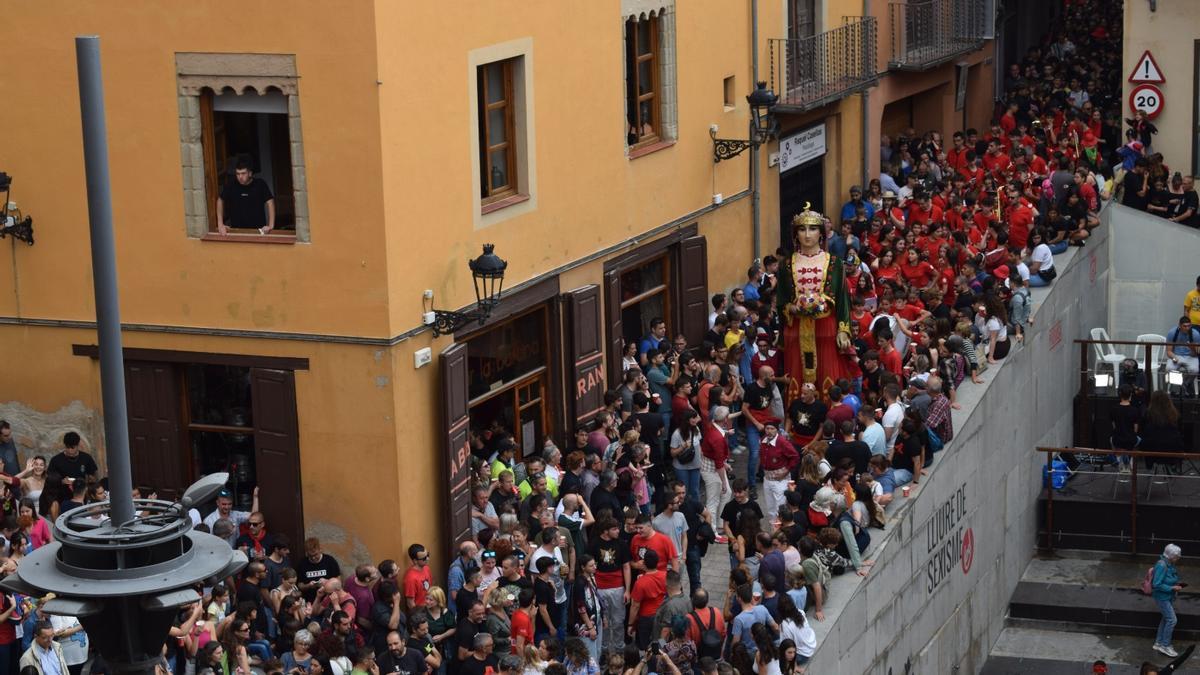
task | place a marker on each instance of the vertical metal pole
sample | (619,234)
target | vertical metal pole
(1050,502)
(1133,503)
(104,276)
(754,178)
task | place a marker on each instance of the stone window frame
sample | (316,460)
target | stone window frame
(239,73)
(664,11)
(525,200)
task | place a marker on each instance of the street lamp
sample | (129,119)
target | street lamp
(763,125)
(487,273)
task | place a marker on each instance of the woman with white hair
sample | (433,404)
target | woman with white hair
(1164,588)
(299,656)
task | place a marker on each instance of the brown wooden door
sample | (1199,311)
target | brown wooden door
(612,315)
(277,451)
(693,289)
(584,365)
(155,449)
(458,450)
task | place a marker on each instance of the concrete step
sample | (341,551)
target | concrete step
(1111,607)
(1050,651)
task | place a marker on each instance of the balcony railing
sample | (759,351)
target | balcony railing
(928,33)
(812,71)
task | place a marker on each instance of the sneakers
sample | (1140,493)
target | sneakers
(1166,650)
(721,539)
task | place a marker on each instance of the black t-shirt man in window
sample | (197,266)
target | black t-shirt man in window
(72,463)
(242,201)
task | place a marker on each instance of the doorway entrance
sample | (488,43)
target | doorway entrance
(798,186)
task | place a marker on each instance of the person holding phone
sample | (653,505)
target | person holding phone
(1165,589)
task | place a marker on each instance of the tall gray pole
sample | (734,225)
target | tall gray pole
(104,276)
(754,177)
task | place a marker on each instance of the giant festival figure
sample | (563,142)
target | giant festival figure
(815,307)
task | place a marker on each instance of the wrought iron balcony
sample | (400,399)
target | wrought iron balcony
(810,72)
(931,32)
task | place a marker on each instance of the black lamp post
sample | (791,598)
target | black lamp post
(487,272)
(763,125)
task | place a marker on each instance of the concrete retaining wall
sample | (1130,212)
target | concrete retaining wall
(1148,284)
(924,607)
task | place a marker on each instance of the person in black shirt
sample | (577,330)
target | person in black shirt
(650,430)
(805,416)
(315,568)
(1187,206)
(1125,418)
(481,661)
(400,658)
(1136,185)
(72,464)
(469,626)
(242,201)
(858,451)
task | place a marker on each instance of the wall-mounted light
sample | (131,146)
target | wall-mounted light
(12,222)
(763,125)
(1103,380)
(487,271)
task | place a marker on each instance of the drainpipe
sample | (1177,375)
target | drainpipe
(754,177)
(866,98)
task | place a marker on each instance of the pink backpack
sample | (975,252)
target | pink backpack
(1148,582)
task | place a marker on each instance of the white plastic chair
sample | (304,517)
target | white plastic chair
(1105,354)
(1158,355)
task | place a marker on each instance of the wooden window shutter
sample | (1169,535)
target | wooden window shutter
(585,364)
(458,450)
(152,397)
(612,311)
(693,289)
(277,451)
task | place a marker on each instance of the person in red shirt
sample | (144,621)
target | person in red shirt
(892,213)
(649,541)
(522,621)
(777,458)
(918,273)
(1008,121)
(766,355)
(1086,192)
(886,268)
(1037,166)
(957,156)
(995,160)
(417,579)
(647,596)
(1020,220)
(912,313)
(838,411)
(703,618)
(954,215)
(924,211)
(889,356)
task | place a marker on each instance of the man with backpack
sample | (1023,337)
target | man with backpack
(706,626)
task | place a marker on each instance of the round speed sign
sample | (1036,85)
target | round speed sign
(1147,98)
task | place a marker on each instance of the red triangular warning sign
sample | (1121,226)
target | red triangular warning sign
(1147,70)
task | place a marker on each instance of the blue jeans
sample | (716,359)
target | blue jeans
(259,648)
(753,442)
(1167,626)
(903,476)
(1036,279)
(691,482)
(1060,247)
(694,558)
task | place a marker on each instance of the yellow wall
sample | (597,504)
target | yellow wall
(590,195)
(167,278)
(1170,34)
(384,92)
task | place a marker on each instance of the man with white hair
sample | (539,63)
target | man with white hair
(714,453)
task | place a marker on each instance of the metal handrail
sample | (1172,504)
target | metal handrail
(1050,452)
(925,34)
(811,71)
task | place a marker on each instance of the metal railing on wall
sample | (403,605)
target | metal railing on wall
(811,71)
(928,33)
(1088,455)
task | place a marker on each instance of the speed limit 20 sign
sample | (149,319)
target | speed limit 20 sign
(1147,98)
